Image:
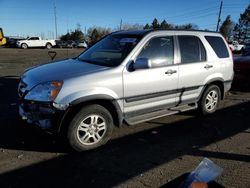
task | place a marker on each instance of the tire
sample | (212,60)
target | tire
(24,46)
(48,46)
(90,128)
(210,100)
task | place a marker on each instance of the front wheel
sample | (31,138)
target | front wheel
(210,100)
(90,128)
(24,46)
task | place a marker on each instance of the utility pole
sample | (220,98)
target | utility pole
(55,18)
(121,24)
(218,22)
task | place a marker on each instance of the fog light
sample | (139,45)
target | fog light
(61,106)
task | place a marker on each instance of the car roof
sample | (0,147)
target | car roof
(144,32)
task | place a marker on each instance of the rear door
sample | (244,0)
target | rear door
(194,68)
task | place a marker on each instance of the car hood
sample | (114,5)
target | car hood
(60,70)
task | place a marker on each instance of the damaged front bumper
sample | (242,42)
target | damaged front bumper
(42,114)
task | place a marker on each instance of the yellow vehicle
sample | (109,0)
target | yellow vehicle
(2,38)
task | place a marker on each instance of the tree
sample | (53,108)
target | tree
(242,28)
(226,28)
(165,25)
(96,33)
(65,37)
(76,35)
(155,24)
(146,26)
(188,26)
(128,26)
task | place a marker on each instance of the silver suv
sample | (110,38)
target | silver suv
(128,76)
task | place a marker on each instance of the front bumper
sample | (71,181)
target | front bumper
(42,114)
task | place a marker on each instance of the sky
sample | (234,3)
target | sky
(36,17)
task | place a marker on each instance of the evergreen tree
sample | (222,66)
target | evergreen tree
(226,28)
(165,25)
(155,24)
(146,26)
(242,28)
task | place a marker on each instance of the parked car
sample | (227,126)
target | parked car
(242,68)
(81,44)
(65,44)
(246,51)
(128,76)
(12,41)
(236,47)
(35,42)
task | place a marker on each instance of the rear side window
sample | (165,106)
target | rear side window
(191,49)
(218,45)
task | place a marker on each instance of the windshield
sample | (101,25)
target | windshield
(110,51)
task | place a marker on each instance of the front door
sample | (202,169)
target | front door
(151,89)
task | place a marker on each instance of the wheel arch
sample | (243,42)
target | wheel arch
(107,102)
(218,82)
(23,44)
(48,43)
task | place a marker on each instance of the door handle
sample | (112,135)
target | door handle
(170,72)
(208,66)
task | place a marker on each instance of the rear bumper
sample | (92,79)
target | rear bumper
(41,114)
(227,85)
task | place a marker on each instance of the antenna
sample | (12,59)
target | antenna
(55,18)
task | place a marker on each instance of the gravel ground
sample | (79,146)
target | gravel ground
(151,154)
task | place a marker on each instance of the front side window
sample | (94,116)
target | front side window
(111,50)
(160,51)
(191,49)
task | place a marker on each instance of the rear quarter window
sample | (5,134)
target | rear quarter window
(218,45)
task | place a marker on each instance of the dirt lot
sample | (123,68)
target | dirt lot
(147,155)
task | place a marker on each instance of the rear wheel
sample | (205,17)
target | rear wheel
(48,46)
(210,100)
(24,46)
(90,128)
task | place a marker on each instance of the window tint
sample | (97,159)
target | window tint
(191,49)
(218,46)
(159,50)
(34,38)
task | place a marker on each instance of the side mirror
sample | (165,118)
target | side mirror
(142,63)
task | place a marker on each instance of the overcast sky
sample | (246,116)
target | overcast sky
(34,17)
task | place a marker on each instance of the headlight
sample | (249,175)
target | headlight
(44,91)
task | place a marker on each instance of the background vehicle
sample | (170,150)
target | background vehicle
(242,68)
(236,47)
(12,41)
(81,44)
(35,42)
(128,76)
(2,38)
(246,51)
(65,44)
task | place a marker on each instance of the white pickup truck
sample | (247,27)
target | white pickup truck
(35,42)
(236,47)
